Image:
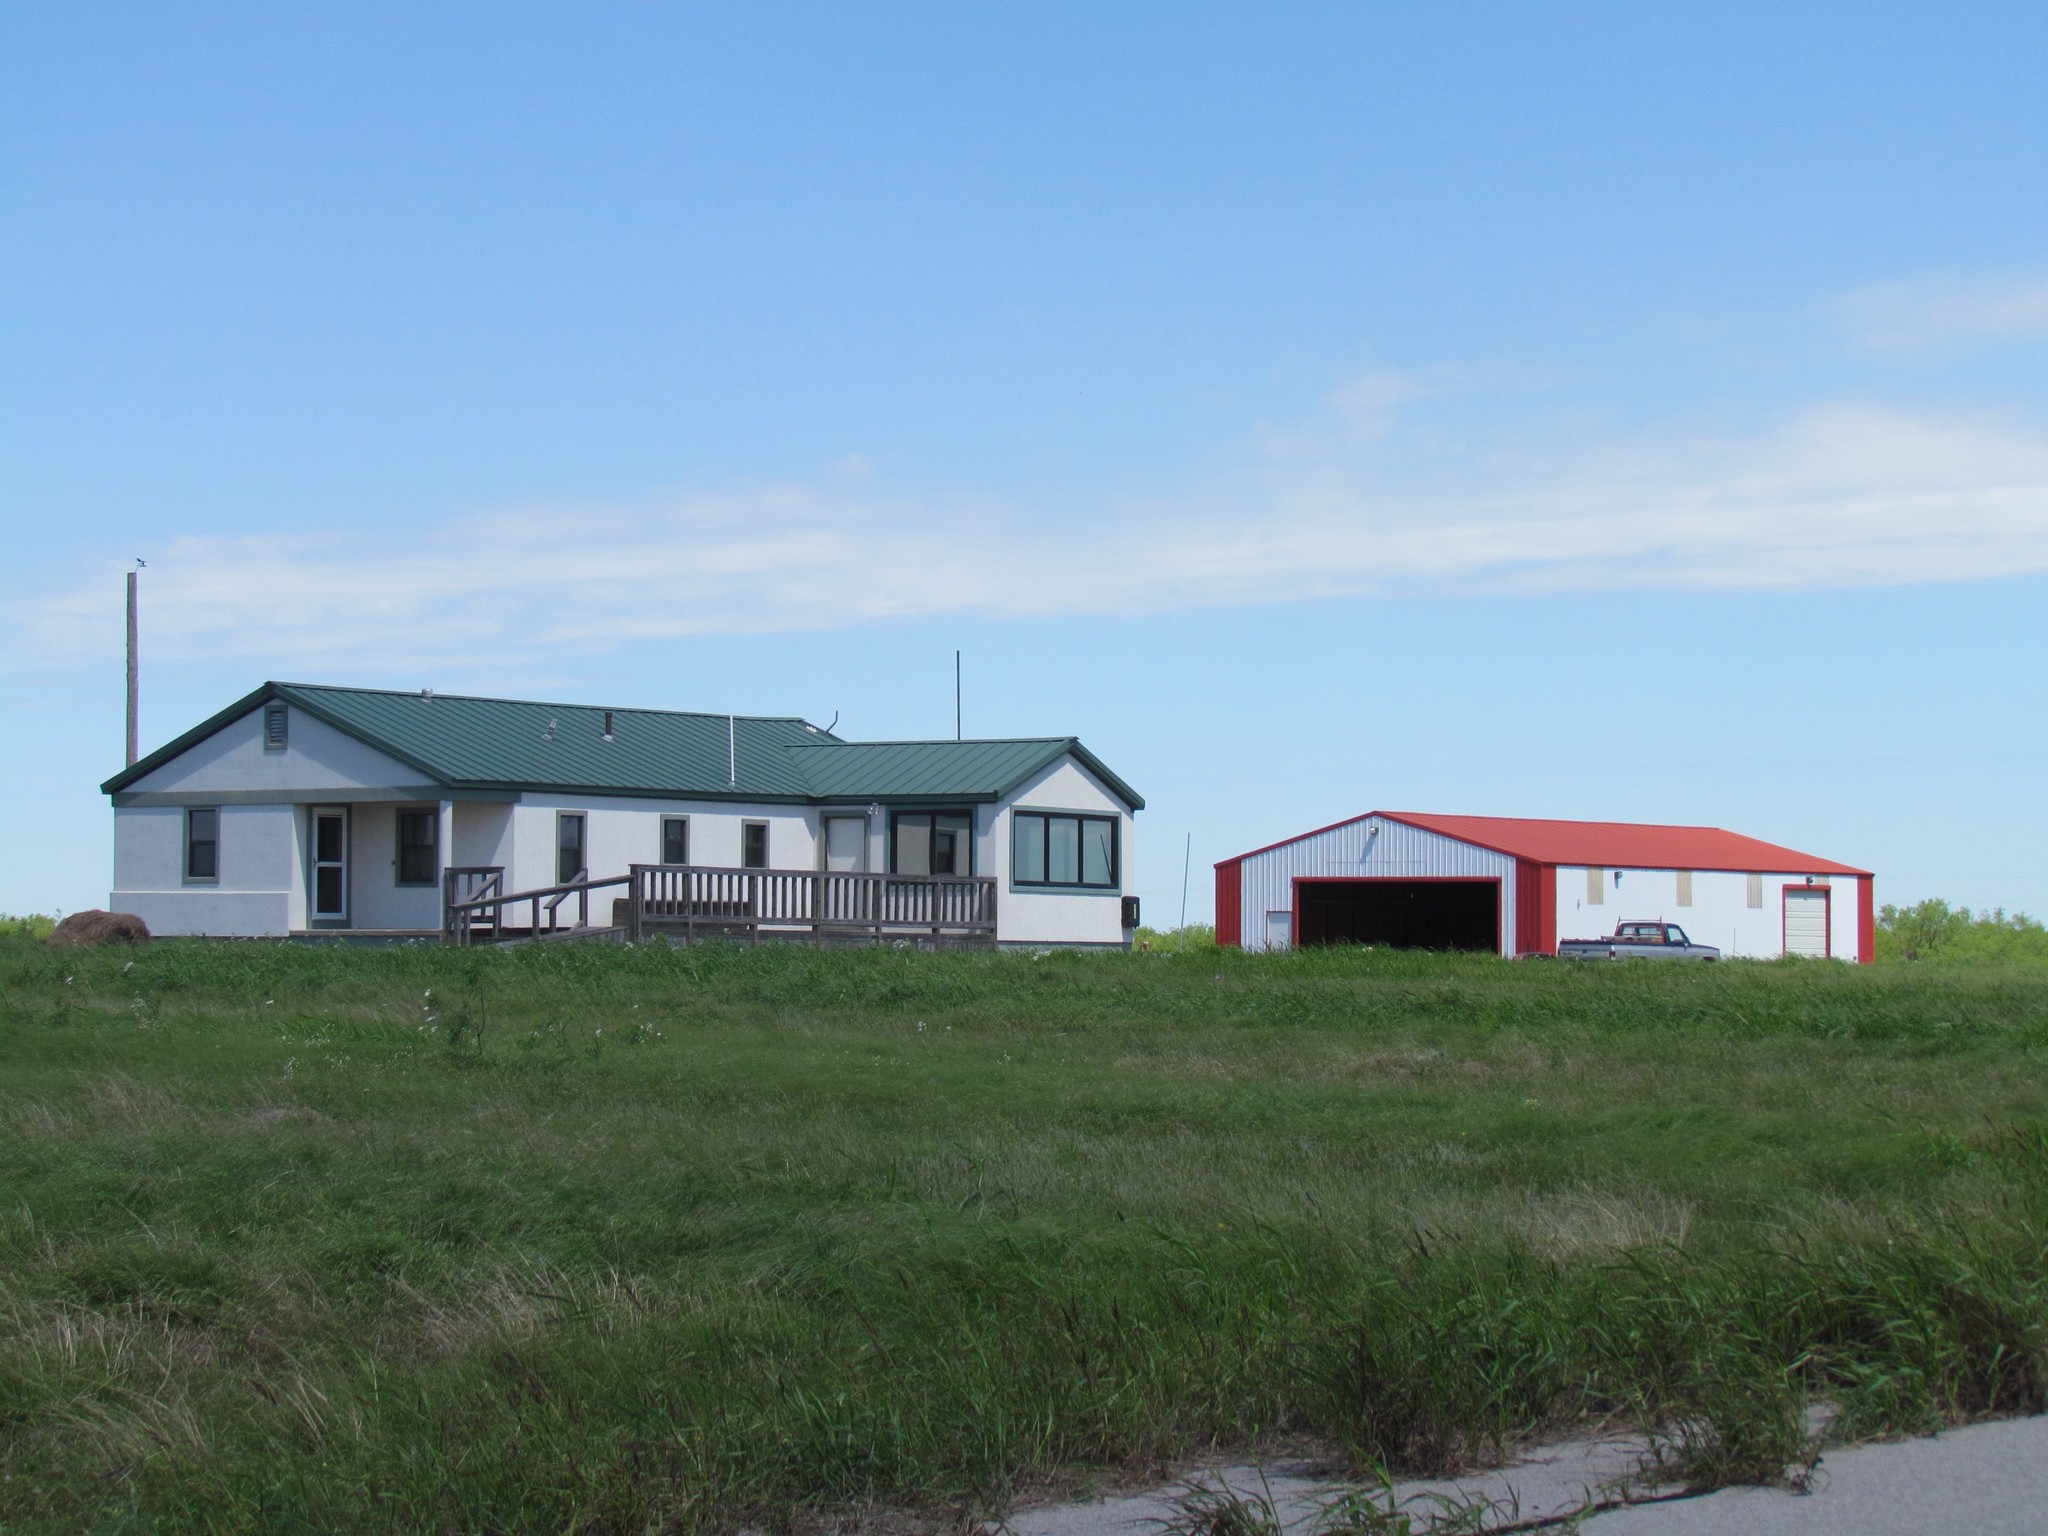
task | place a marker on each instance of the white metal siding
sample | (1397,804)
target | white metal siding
(1355,850)
(1720,913)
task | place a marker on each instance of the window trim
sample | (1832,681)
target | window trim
(281,713)
(746,827)
(433,845)
(1046,813)
(661,847)
(185,846)
(582,820)
(896,815)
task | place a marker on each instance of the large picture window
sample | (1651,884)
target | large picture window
(1048,848)
(202,844)
(418,833)
(931,843)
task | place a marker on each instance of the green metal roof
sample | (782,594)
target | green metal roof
(967,770)
(472,743)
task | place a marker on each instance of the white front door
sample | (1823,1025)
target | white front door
(1806,921)
(329,878)
(1279,930)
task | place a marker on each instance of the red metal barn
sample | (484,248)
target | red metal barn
(1516,887)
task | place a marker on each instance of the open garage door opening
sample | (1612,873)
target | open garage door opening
(1401,914)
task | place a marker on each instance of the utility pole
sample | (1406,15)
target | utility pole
(134,678)
(1187,860)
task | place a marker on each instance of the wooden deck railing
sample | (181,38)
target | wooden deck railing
(692,901)
(489,913)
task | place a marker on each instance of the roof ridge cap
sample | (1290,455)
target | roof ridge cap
(490,698)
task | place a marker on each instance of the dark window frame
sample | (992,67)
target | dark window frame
(932,829)
(748,829)
(210,844)
(563,820)
(683,824)
(431,847)
(1045,819)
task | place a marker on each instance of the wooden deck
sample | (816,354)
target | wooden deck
(689,902)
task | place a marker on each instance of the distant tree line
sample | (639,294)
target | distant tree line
(1935,931)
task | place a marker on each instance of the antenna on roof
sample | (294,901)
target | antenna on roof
(134,675)
(956,695)
(834,725)
(732,754)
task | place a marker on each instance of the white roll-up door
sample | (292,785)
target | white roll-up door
(1806,921)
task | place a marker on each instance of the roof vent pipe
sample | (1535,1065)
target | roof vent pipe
(607,725)
(732,754)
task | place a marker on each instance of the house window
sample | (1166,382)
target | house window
(931,843)
(1047,849)
(1685,887)
(846,842)
(202,843)
(276,727)
(1596,887)
(753,845)
(675,839)
(1756,890)
(569,861)
(418,834)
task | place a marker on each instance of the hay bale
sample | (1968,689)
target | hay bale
(97,927)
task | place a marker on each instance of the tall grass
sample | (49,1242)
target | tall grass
(649,1239)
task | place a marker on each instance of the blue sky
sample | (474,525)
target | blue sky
(1610,411)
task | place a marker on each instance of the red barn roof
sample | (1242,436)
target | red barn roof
(1609,844)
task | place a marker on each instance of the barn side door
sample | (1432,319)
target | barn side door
(1806,921)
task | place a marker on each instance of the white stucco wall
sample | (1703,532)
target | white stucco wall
(1720,913)
(376,899)
(620,831)
(1030,916)
(259,890)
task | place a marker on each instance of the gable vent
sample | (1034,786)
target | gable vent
(276,727)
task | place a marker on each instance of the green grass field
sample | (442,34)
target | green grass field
(599,1239)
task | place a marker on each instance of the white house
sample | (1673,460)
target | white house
(1517,886)
(303,809)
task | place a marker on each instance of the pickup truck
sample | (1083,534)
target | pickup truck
(1639,941)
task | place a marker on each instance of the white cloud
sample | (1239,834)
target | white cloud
(1934,311)
(1339,506)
